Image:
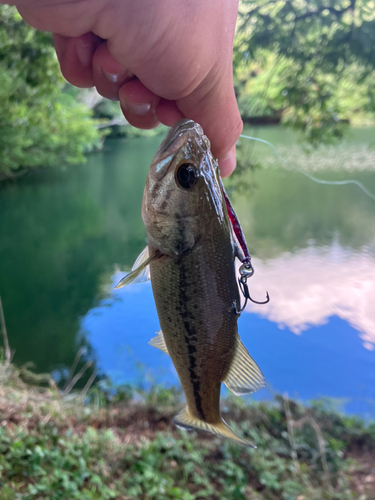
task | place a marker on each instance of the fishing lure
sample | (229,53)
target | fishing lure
(246,270)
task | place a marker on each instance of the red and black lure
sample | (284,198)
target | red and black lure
(246,269)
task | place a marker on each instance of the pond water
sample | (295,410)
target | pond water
(67,236)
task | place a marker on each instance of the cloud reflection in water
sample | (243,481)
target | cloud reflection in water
(311,285)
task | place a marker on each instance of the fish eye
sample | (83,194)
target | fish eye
(187,175)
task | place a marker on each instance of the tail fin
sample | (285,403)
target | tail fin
(184,420)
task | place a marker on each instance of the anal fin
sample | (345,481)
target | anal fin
(244,375)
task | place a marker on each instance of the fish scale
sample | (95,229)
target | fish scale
(204,317)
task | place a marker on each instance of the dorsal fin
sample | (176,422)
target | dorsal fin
(159,342)
(244,375)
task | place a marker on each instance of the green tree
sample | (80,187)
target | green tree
(313,60)
(40,125)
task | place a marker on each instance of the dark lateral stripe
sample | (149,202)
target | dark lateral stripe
(190,337)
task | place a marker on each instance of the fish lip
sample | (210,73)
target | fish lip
(175,132)
(177,136)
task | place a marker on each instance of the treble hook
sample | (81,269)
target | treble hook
(246,271)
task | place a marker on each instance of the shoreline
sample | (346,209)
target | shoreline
(128,449)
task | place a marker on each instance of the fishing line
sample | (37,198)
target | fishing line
(311,177)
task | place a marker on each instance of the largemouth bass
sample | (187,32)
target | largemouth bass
(190,258)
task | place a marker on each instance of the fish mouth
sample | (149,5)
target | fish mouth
(177,137)
(181,129)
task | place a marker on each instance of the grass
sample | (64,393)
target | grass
(124,446)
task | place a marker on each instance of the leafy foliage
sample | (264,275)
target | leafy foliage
(312,60)
(39,124)
(51,466)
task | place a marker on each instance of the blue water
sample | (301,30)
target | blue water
(64,233)
(314,251)
(328,360)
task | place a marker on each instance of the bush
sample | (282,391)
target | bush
(40,125)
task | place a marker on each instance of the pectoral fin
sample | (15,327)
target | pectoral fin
(140,270)
(244,375)
(185,420)
(159,342)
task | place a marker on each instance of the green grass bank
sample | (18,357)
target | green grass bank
(125,447)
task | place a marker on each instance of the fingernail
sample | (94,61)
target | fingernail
(85,52)
(138,108)
(114,77)
(228,164)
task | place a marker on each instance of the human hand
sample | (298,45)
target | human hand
(164,60)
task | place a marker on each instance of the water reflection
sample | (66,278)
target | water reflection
(312,285)
(315,337)
(61,233)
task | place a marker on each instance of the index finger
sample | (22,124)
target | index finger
(215,109)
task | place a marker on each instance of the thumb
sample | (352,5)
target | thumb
(213,105)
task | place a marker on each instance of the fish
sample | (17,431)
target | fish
(190,259)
